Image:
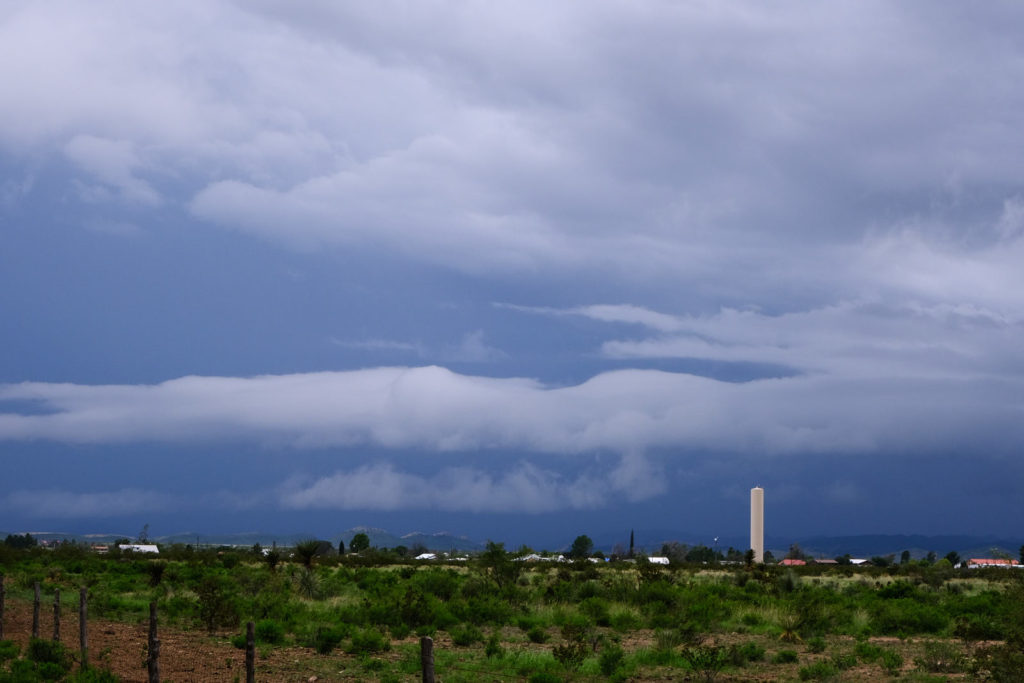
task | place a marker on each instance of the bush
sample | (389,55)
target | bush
(365,641)
(9,650)
(892,661)
(269,631)
(739,655)
(493,647)
(326,638)
(538,634)
(818,671)
(816,645)
(466,635)
(785,657)
(706,660)
(868,652)
(610,659)
(940,657)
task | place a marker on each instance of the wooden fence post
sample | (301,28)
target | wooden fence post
(35,611)
(153,663)
(56,614)
(250,652)
(83,632)
(427,658)
(2,589)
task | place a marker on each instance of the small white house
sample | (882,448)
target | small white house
(658,560)
(138,548)
(426,556)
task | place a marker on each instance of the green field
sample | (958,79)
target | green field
(495,618)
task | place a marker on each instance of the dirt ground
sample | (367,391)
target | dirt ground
(185,656)
(192,656)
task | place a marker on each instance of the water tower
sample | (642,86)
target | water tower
(757,523)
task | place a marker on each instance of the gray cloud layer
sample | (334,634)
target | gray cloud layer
(625,411)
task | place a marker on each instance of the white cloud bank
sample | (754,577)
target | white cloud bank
(626,411)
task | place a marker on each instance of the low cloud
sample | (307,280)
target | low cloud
(525,488)
(628,411)
(61,504)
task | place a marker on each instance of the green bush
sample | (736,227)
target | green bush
(9,650)
(821,670)
(538,634)
(326,638)
(610,659)
(739,655)
(892,661)
(466,635)
(868,652)
(365,641)
(269,631)
(816,645)
(785,657)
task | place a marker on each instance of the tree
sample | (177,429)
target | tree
(905,557)
(1022,554)
(359,543)
(953,557)
(795,552)
(20,542)
(306,550)
(341,547)
(498,566)
(631,543)
(581,547)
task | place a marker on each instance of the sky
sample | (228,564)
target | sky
(517,271)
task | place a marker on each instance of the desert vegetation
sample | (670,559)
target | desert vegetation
(497,618)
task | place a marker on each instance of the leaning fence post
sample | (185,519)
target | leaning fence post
(83,632)
(250,652)
(35,611)
(2,606)
(427,658)
(56,614)
(153,663)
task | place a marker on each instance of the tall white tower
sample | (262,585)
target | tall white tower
(757,523)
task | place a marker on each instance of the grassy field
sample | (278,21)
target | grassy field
(493,618)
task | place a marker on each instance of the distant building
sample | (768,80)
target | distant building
(426,556)
(983,563)
(791,562)
(138,548)
(658,560)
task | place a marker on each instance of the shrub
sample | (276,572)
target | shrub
(892,661)
(269,631)
(369,640)
(573,650)
(818,671)
(326,638)
(785,657)
(9,650)
(610,659)
(816,645)
(706,660)
(466,635)
(868,652)
(739,655)
(538,634)
(940,657)
(493,647)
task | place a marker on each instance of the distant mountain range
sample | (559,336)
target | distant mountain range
(647,540)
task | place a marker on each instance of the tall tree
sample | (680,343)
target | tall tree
(631,543)
(359,543)
(581,547)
